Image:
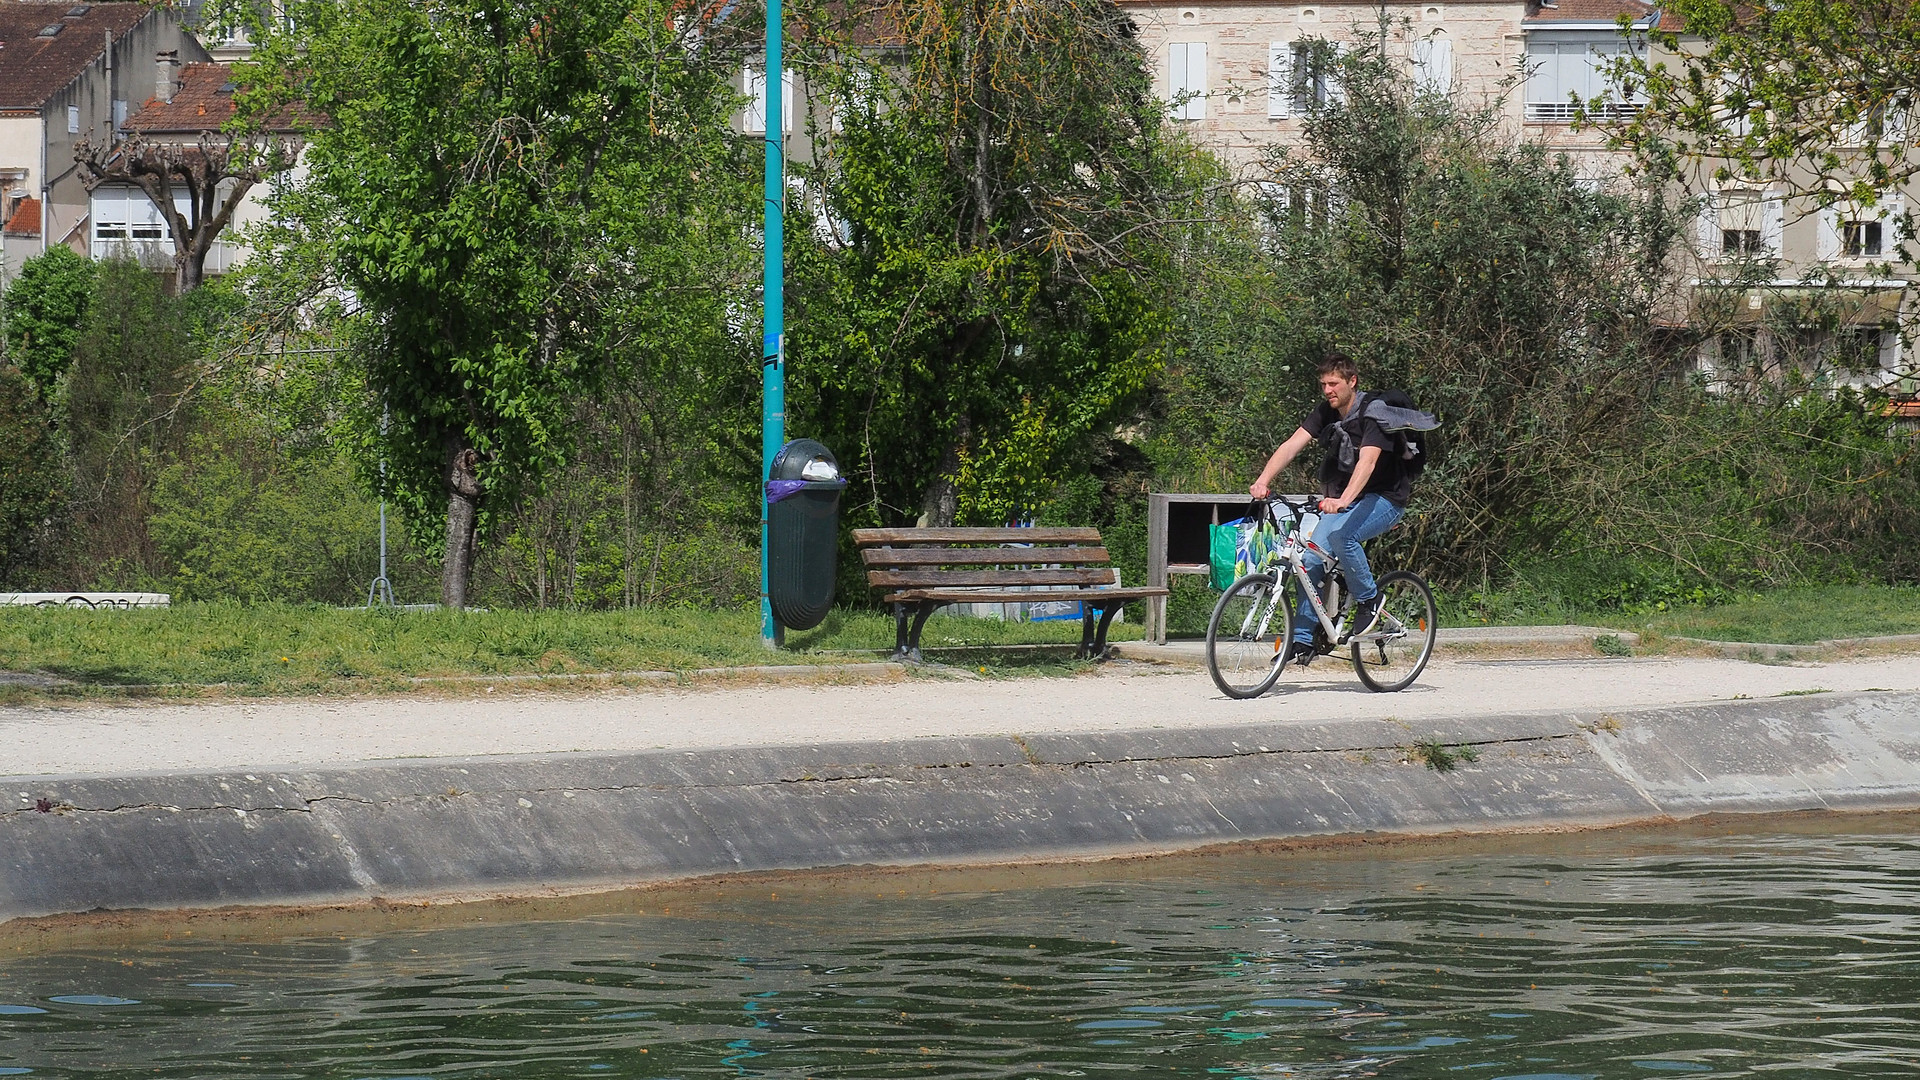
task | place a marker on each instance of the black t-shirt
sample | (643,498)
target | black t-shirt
(1389,477)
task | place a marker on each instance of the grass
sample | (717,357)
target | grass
(1440,757)
(1798,616)
(279,649)
(1789,616)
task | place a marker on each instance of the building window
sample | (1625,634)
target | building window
(1313,75)
(755,122)
(1741,349)
(1860,239)
(1861,350)
(73,119)
(1433,63)
(1736,243)
(1562,66)
(124,217)
(1187,79)
(1738,223)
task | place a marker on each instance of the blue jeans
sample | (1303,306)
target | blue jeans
(1341,536)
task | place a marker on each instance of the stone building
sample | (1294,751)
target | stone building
(1238,75)
(69,71)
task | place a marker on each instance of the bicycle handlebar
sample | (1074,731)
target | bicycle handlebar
(1299,505)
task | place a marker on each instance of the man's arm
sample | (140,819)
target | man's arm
(1362,472)
(1288,450)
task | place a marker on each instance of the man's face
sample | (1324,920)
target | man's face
(1338,391)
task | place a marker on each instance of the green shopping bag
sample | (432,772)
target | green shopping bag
(1223,554)
(1258,545)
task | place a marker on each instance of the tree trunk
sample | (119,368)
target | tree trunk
(189,269)
(942,503)
(463,507)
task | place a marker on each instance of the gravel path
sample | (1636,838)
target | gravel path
(115,740)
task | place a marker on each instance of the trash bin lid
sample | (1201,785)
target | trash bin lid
(805,459)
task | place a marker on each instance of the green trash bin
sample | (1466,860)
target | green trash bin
(803,533)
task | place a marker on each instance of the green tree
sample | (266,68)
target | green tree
(981,264)
(45,306)
(1476,272)
(129,404)
(492,180)
(31,480)
(1815,98)
(1808,93)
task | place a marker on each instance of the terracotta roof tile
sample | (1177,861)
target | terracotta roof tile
(33,68)
(25,220)
(203,102)
(1592,11)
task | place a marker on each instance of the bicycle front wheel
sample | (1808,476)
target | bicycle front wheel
(1396,650)
(1247,636)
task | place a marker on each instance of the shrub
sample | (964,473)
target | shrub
(31,483)
(234,519)
(45,307)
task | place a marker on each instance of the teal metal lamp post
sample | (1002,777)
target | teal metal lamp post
(773,341)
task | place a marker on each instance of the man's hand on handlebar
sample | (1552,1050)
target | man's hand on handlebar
(1258,489)
(1334,506)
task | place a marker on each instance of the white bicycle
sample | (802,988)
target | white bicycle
(1252,623)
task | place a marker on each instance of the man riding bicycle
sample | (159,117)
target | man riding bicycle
(1364,486)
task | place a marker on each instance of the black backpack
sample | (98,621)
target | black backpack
(1418,449)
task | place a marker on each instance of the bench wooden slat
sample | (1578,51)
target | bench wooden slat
(925,569)
(990,556)
(869,537)
(989,596)
(955,578)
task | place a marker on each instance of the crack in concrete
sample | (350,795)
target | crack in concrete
(1033,760)
(306,807)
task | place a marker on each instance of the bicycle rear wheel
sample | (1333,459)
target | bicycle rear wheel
(1396,650)
(1247,634)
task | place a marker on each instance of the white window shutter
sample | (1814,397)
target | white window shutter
(755,122)
(756,89)
(1279,80)
(1773,225)
(1197,79)
(1433,63)
(1708,225)
(1187,79)
(1827,246)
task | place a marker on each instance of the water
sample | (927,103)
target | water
(1695,954)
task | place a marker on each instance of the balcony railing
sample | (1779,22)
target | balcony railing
(1565,112)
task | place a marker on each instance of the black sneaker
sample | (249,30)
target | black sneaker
(1300,652)
(1366,615)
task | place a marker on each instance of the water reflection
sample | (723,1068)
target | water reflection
(1716,956)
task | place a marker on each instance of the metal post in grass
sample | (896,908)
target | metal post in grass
(381,590)
(773,340)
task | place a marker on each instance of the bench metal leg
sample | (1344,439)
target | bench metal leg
(1086,631)
(910,650)
(899,631)
(1100,635)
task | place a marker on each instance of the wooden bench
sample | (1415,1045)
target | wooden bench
(926,569)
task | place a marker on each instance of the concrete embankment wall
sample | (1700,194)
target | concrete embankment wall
(518,826)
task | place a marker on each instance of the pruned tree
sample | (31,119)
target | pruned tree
(215,172)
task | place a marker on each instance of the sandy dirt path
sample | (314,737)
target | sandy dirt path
(115,740)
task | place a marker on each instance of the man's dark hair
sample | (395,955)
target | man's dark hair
(1333,361)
